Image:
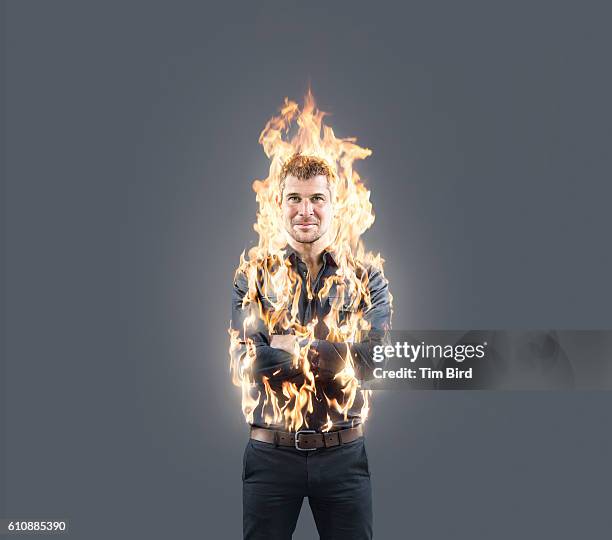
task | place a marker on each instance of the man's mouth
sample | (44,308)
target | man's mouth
(305,226)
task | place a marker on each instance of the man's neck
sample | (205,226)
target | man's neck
(311,253)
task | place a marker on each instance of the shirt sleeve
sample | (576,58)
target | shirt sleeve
(251,353)
(330,356)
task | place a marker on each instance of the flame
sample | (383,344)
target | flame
(270,275)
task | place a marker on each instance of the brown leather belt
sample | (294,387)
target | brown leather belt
(307,439)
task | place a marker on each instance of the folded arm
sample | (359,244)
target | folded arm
(272,362)
(330,356)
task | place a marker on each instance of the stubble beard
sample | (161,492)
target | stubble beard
(306,237)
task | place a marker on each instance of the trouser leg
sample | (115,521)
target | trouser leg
(340,493)
(273,489)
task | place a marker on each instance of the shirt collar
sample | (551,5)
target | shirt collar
(329,256)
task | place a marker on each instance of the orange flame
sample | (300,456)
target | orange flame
(269,274)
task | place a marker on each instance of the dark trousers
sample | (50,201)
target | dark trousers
(336,480)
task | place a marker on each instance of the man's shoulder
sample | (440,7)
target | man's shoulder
(371,272)
(256,273)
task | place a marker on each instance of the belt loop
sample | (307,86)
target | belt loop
(276,438)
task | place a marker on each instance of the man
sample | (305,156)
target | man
(310,442)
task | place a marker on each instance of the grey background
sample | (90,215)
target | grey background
(130,142)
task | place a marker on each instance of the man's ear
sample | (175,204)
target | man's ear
(279,195)
(332,200)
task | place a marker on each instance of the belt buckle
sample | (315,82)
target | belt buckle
(297,439)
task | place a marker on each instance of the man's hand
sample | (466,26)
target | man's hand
(286,342)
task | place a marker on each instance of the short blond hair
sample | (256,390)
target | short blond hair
(305,167)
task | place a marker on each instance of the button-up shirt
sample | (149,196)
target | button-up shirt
(327,357)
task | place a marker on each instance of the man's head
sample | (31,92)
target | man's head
(306,198)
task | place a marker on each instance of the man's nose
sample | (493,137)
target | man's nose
(305,207)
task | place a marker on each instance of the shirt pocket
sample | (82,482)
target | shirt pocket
(275,312)
(269,302)
(345,309)
(340,300)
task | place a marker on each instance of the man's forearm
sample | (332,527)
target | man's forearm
(330,358)
(275,364)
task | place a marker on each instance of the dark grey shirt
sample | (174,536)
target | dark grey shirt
(327,357)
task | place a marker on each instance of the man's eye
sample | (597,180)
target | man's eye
(293,198)
(318,198)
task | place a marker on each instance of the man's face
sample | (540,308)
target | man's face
(307,208)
